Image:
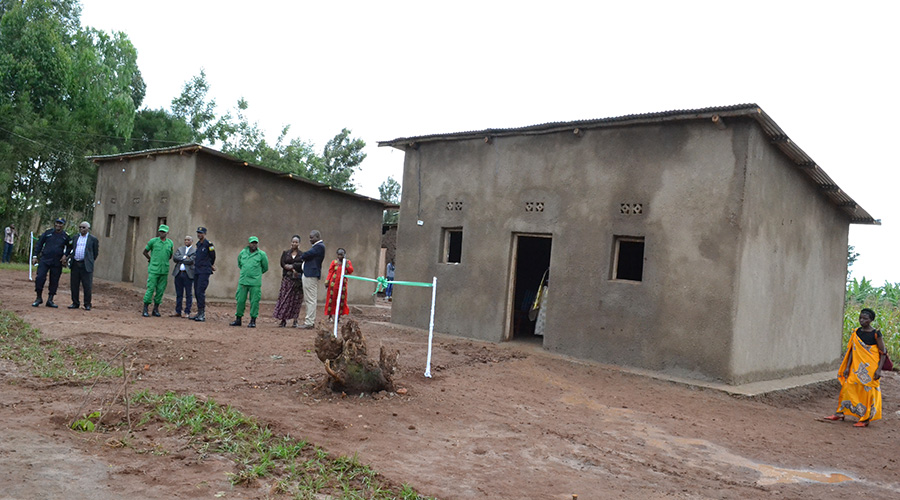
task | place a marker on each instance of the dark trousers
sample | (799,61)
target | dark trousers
(201,281)
(183,285)
(7,251)
(81,277)
(43,269)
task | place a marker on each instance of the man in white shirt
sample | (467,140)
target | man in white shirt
(84,249)
(184,276)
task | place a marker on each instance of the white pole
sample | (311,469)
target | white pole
(30,256)
(337,307)
(431,327)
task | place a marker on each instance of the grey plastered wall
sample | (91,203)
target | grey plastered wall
(235,201)
(685,174)
(147,188)
(789,307)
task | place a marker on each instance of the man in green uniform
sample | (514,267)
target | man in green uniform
(253,263)
(158,252)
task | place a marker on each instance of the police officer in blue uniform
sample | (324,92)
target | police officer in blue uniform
(204,266)
(50,256)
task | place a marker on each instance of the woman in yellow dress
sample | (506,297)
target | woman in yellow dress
(860,373)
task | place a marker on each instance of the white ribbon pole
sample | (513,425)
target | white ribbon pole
(431,327)
(337,307)
(30,256)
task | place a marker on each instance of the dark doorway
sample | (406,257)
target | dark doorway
(134,224)
(532,262)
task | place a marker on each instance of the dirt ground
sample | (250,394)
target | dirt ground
(495,421)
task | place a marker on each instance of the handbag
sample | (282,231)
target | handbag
(887,365)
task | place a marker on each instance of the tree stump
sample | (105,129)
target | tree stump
(348,365)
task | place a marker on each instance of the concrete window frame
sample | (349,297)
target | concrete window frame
(451,245)
(628,259)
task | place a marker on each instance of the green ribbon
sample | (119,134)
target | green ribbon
(382,282)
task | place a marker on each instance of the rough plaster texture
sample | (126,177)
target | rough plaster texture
(234,202)
(686,316)
(793,264)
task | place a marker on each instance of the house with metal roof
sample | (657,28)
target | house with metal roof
(700,243)
(190,186)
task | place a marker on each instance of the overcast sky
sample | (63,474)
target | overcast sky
(824,71)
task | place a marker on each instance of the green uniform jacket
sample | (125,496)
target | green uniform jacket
(252,266)
(160,255)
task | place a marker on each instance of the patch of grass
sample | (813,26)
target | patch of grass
(294,466)
(23,345)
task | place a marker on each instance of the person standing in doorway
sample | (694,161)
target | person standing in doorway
(158,252)
(312,272)
(204,266)
(389,290)
(184,276)
(50,256)
(84,249)
(9,239)
(253,263)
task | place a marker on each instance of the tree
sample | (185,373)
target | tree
(339,161)
(65,92)
(852,255)
(157,128)
(200,115)
(389,191)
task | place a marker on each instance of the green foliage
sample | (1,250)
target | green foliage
(87,424)
(884,301)
(389,191)
(22,344)
(193,109)
(65,92)
(297,468)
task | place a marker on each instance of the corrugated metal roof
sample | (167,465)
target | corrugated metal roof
(195,148)
(776,136)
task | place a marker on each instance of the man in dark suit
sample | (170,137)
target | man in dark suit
(50,256)
(184,276)
(83,250)
(312,271)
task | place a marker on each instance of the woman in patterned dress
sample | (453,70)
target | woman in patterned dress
(860,373)
(290,297)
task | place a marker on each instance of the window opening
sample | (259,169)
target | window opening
(110,224)
(452,253)
(629,259)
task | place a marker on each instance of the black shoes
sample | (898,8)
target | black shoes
(145,313)
(50,302)
(155,312)
(236,322)
(252,323)
(87,307)
(37,302)
(75,306)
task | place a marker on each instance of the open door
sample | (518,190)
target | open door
(530,267)
(134,224)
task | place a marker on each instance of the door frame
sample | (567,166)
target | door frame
(511,285)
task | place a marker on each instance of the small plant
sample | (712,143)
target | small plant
(86,424)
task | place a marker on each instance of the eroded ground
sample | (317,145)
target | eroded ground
(495,421)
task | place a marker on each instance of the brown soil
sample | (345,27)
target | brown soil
(495,421)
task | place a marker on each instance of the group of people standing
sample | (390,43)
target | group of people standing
(194,263)
(56,249)
(193,266)
(301,272)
